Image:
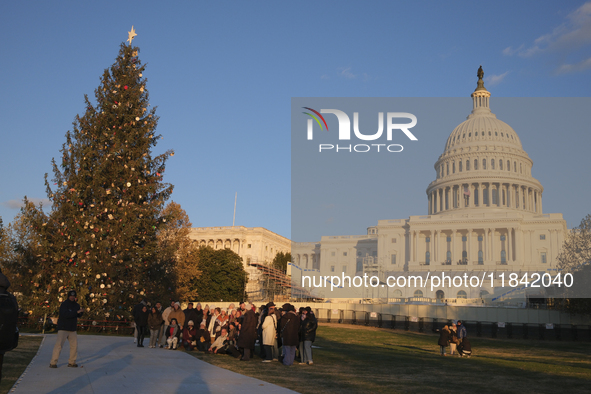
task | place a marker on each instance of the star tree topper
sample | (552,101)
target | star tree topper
(131,35)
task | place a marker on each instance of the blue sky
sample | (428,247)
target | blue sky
(223,74)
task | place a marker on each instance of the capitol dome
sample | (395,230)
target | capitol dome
(483,165)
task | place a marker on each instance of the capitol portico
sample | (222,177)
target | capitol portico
(484,214)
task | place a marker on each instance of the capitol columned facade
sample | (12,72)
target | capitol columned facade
(484,214)
(257,247)
(253,244)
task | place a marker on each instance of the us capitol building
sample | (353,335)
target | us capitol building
(484,214)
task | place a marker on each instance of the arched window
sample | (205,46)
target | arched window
(418,293)
(508,165)
(475,164)
(440,294)
(514,166)
(453,167)
(500,164)
(460,164)
(447,167)
(484,164)
(492,164)
(520,168)
(462,294)
(483,293)
(397,293)
(467,165)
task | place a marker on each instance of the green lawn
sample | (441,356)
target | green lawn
(17,360)
(369,360)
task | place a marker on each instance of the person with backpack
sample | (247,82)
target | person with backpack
(8,320)
(67,325)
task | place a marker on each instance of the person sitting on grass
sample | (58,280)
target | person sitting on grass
(465,348)
(203,338)
(219,342)
(190,336)
(173,333)
(230,343)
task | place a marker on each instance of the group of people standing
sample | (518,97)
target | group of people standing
(232,331)
(455,336)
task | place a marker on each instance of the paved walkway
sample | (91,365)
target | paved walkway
(115,365)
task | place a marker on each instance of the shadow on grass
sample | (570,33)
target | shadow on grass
(16,361)
(348,362)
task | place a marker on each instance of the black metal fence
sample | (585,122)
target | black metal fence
(122,327)
(555,332)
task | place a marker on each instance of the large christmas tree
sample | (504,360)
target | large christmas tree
(107,197)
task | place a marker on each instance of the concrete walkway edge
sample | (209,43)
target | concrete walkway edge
(109,364)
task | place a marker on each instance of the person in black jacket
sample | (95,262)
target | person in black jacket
(9,330)
(191,315)
(141,324)
(289,326)
(465,348)
(308,328)
(444,336)
(136,309)
(203,338)
(67,324)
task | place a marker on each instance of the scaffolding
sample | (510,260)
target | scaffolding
(266,283)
